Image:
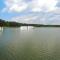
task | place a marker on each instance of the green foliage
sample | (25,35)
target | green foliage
(4,23)
(8,24)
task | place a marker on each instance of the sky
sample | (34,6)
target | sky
(31,11)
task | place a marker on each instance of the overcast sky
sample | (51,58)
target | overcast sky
(31,11)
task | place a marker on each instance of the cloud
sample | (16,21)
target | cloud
(43,5)
(43,11)
(33,5)
(31,18)
(24,19)
(56,11)
(15,5)
(58,4)
(39,18)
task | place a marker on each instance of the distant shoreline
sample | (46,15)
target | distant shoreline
(34,25)
(4,23)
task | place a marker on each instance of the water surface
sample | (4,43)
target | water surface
(30,43)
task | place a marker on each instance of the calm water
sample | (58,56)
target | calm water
(30,43)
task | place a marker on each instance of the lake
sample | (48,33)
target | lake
(30,43)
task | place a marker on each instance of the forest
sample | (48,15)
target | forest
(4,23)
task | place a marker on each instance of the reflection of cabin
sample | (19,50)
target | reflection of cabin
(1,28)
(26,27)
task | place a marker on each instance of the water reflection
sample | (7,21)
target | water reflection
(26,28)
(33,44)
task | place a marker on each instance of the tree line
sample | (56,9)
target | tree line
(4,23)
